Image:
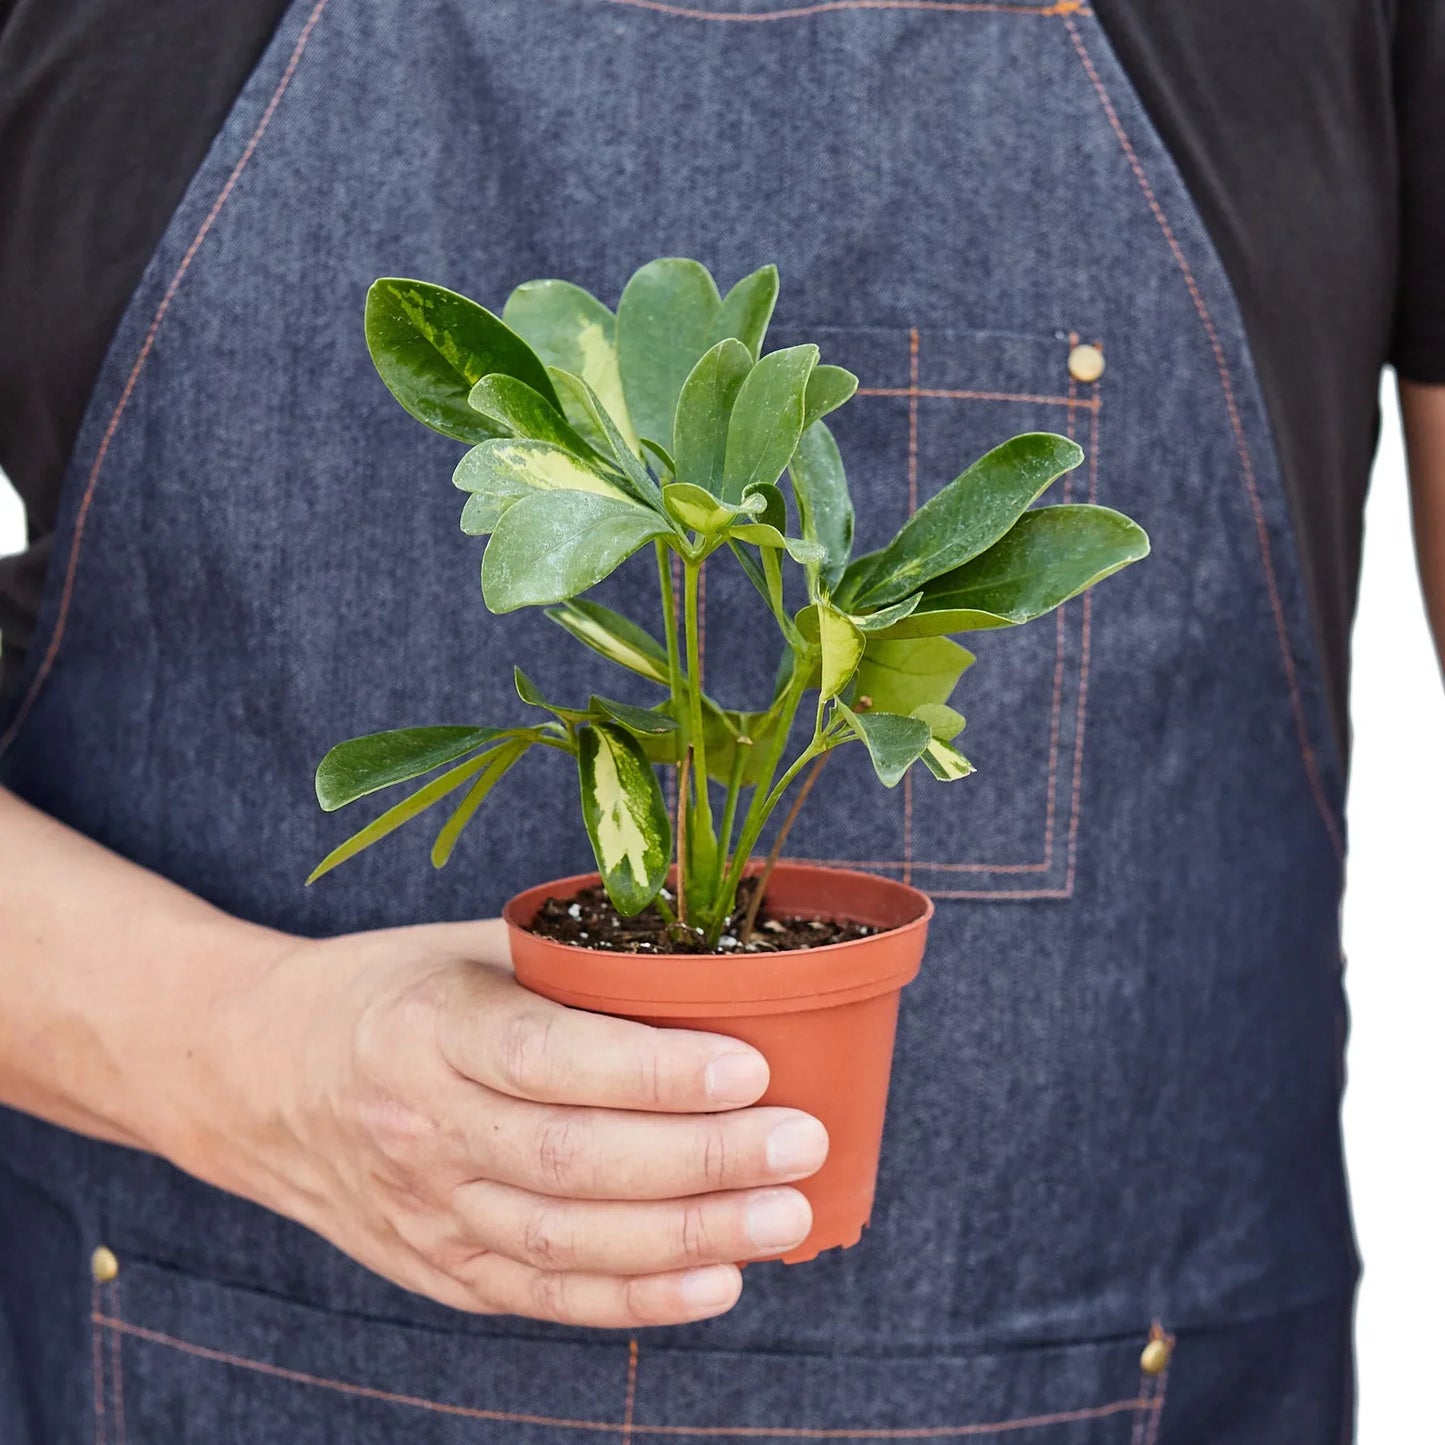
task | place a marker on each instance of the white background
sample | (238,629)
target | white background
(1393,941)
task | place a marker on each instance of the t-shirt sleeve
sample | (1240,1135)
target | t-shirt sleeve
(1418,351)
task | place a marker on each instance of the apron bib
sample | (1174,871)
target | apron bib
(1114,1111)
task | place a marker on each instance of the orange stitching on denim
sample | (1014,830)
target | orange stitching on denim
(926,865)
(631,1403)
(1085,653)
(1155,1414)
(1241,443)
(912,508)
(1061,638)
(117,1384)
(908,863)
(97,1365)
(912,420)
(300,1377)
(710,1432)
(947,394)
(1061,8)
(922,1432)
(92,480)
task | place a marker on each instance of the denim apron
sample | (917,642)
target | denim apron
(1112,1204)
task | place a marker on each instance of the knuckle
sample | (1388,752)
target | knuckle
(402,1134)
(559,1153)
(526,1052)
(694,1241)
(550,1296)
(714,1156)
(652,1085)
(547,1241)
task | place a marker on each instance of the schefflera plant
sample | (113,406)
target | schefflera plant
(667,427)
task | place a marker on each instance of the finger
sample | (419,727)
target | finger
(517,1043)
(605,1154)
(602,1301)
(605,1237)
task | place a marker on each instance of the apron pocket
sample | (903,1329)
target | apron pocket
(178,1359)
(929,403)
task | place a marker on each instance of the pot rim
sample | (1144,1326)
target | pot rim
(691,985)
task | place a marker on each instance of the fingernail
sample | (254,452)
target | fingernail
(708,1289)
(736,1078)
(779,1220)
(797,1147)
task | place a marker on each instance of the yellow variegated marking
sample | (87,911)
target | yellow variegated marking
(619,839)
(842,645)
(552,469)
(601,372)
(950,761)
(610,645)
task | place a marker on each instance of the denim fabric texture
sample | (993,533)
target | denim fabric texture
(1115,1101)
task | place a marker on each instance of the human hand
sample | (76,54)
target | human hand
(402,1095)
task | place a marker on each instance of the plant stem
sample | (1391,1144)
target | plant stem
(682,781)
(787,707)
(691,577)
(776,851)
(669,630)
(730,808)
(758,816)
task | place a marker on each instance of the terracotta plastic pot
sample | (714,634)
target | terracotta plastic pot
(824,1018)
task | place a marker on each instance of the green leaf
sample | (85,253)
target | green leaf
(842,646)
(551,546)
(403,812)
(884,619)
(946,763)
(481,513)
(531,694)
(968,516)
(613,636)
(522,412)
(625,815)
(704,407)
(825,510)
(646,721)
(894,743)
(747,309)
(943,722)
(828,388)
(1049,556)
(505,469)
(570,329)
(353,769)
(665,322)
(613,445)
(809,554)
(773,511)
(767,419)
(431,347)
(661,457)
(701,511)
(501,764)
(901,675)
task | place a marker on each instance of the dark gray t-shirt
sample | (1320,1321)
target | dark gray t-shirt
(1311,135)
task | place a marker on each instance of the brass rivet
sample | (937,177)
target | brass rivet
(1155,1359)
(1086,363)
(104,1266)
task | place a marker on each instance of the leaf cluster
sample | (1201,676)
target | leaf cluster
(666,425)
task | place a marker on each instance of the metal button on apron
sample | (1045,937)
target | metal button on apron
(104,1266)
(1155,1359)
(1086,363)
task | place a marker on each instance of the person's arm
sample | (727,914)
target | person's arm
(1423,410)
(398,1092)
